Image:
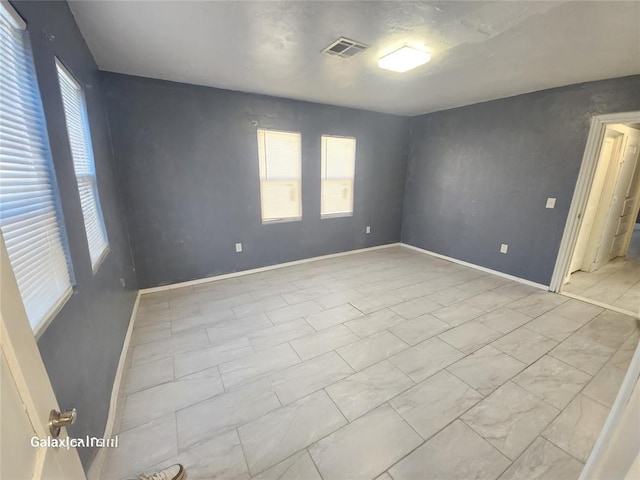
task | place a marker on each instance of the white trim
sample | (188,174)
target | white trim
(614,417)
(326,216)
(242,273)
(40,328)
(581,193)
(578,203)
(600,304)
(95,470)
(100,259)
(272,221)
(7,11)
(478,267)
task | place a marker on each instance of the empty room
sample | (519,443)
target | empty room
(318,240)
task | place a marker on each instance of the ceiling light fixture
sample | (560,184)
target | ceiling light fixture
(404,59)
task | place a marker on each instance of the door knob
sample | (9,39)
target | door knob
(57,420)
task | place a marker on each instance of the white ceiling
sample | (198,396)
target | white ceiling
(481,50)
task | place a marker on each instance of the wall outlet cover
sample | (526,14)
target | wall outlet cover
(504,248)
(551,202)
(238,247)
(367,229)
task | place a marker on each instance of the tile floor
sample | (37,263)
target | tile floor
(384,364)
(617,283)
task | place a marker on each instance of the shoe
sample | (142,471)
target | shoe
(174,472)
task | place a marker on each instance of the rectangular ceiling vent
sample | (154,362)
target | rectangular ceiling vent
(344,48)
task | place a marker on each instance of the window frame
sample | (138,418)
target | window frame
(260,180)
(91,178)
(16,21)
(326,216)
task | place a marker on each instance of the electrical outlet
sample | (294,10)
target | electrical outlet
(504,248)
(367,229)
(238,247)
(551,202)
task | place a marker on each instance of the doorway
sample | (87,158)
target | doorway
(599,259)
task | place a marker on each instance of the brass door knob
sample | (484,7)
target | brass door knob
(57,420)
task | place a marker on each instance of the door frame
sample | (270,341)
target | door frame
(602,169)
(594,252)
(617,445)
(582,190)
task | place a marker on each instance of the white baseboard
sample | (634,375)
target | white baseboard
(242,273)
(95,471)
(478,267)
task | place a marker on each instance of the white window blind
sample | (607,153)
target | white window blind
(338,161)
(29,211)
(279,155)
(75,111)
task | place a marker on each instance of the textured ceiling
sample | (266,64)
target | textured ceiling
(480,50)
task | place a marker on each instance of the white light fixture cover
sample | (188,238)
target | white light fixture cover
(404,59)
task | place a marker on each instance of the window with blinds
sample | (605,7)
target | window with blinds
(279,156)
(30,217)
(338,161)
(75,111)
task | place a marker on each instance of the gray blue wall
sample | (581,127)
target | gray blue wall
(82,345)
(187,163)
(479,176)
(180,169)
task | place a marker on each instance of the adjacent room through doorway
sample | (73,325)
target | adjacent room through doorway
(605,264)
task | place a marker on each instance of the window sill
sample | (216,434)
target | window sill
(281,220)
(98,264)
(39,329)
(336,215)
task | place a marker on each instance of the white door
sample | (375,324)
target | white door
(631,209)
(595,195)
(619,213)
(26,395)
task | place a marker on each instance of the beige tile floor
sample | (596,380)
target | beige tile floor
(617,283)
(383,364)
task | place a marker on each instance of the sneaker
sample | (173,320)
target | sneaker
(174,472)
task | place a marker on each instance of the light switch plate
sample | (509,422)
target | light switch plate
(238,247)
(551,202)
(504,248)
